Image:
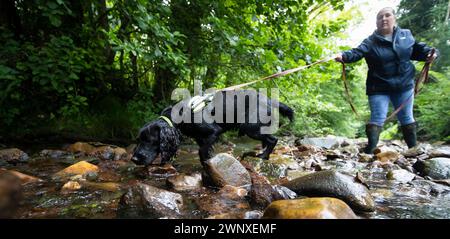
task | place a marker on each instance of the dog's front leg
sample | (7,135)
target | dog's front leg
(270,142)
(206,149)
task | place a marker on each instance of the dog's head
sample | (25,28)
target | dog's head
(156,137)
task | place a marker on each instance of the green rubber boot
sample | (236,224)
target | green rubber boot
(410,134)
(373,135)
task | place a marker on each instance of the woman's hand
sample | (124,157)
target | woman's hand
(338,58)
(431,58)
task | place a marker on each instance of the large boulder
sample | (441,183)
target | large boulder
(436,168)
(13,156)
(224,169)
(79,168)
(143,200)
(334,184)
(24,178)
(309,208)
(10,194)
(443,151)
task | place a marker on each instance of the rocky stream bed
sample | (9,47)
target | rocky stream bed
(305,178)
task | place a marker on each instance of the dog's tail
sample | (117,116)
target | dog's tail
(286,111)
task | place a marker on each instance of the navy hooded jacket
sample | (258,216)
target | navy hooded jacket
(390,66)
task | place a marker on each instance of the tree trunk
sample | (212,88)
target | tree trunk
(448,13)
(103,20)
(164,84)
(135,75)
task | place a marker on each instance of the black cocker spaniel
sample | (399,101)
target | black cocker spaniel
(163,135)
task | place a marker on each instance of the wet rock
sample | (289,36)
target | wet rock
(334,184)
(261,192)
(384,149)
(143,200)
(436,168)
(24,178)
(224,169)
(238,215)
(418,150)
(10,194)
(272,169)
(283,149)
(71,186)
(403,162)
(103,152)
(359,178)
(328,142)
(184,182)
(80,147)
(334,154)
(351,150)
(283,162)
(443,152)
(310,163)
(430,187)
(400,175)
(382,193)
(99,150)
(390,166)
(13,156)
(105,186)
(305,150)
(445,182)
(228,199)
(284,192)
(164,171)
(79,168)
(56,154)
(91,176)
(347,166)
(309,208)
(388,156)
(365,158)
(121,154)
(293,174)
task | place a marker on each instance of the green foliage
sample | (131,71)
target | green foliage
(105,67)
(429,22)
(433,106)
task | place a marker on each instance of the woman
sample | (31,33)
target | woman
(388,53)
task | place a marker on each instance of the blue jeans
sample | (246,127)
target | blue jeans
(379,105)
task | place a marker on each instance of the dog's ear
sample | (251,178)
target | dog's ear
(149,133)
(170,139)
